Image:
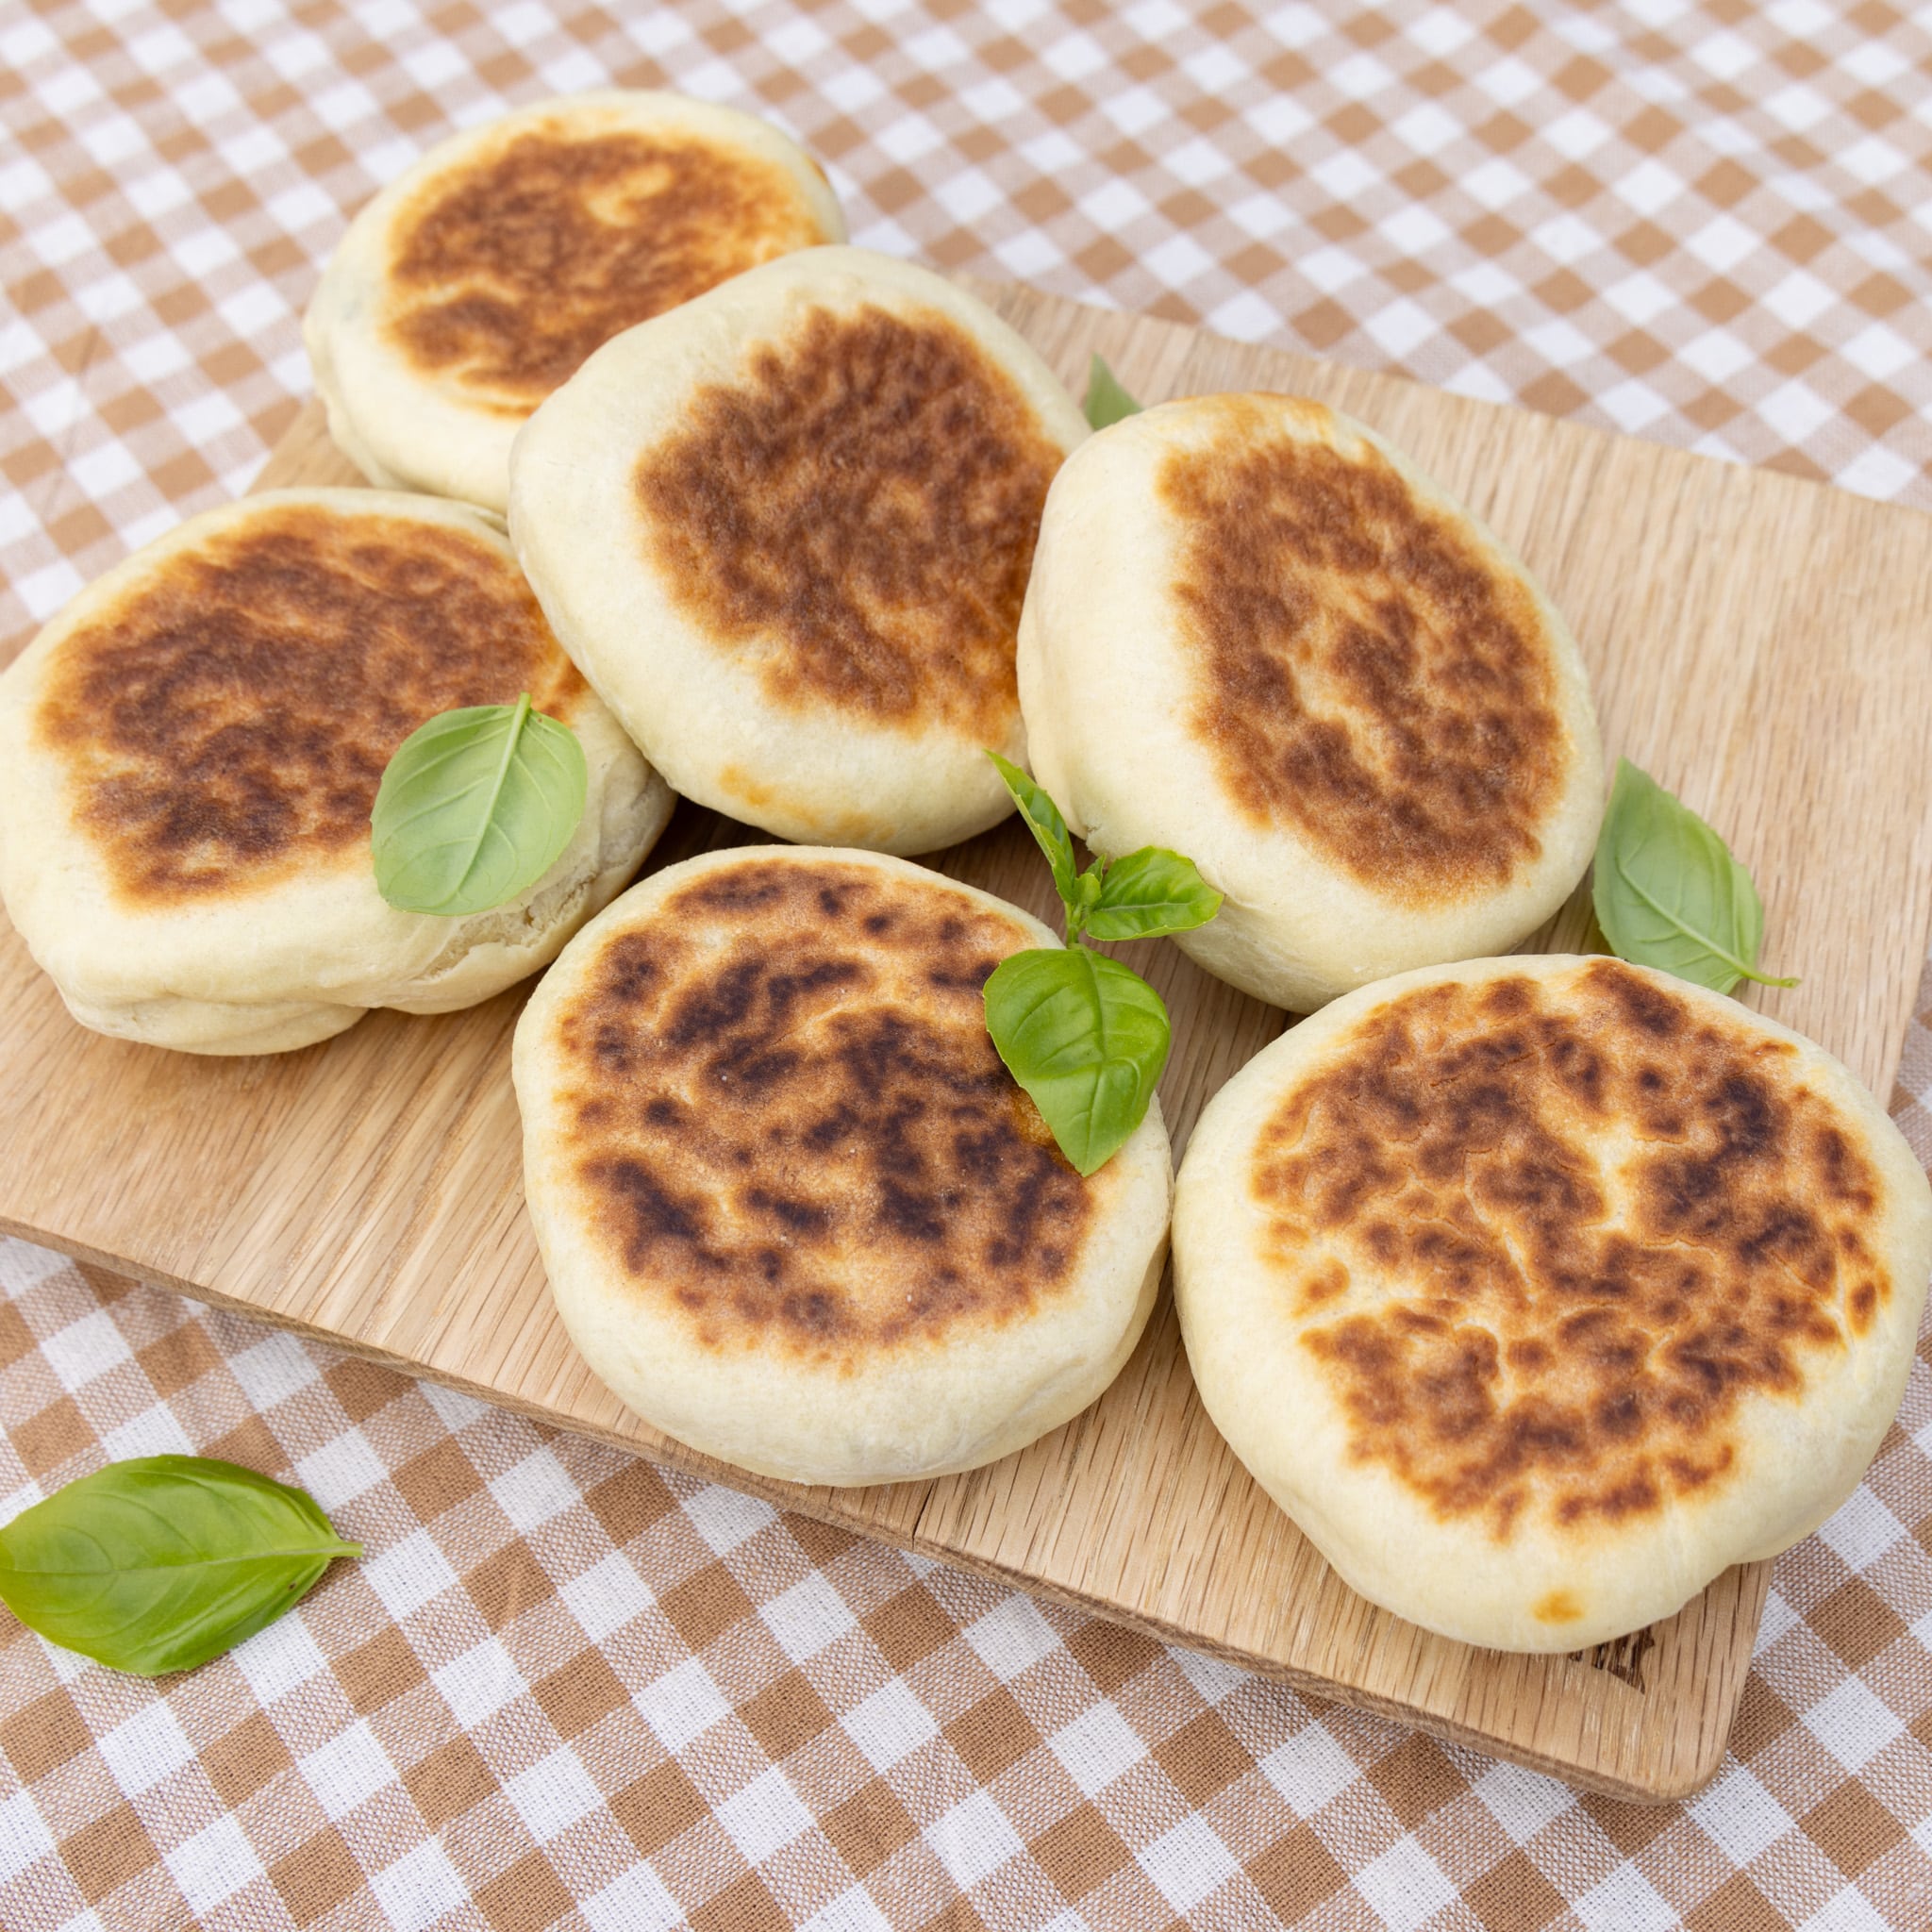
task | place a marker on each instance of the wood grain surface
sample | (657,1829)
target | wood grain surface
(1756,641)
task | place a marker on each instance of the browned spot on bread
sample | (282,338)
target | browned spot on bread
(228,721)
(1324,1283)
(1361,672)
(854,516)
(1583,1220)
(507,271)
(1557,1607)
(787,1118)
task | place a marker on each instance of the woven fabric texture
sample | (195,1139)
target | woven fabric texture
(567,1688)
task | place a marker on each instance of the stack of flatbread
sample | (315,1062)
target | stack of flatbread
(1537,1290)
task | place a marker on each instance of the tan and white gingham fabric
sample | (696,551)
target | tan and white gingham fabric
(568,1688)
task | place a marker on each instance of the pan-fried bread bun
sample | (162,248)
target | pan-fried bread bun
(1541,1290)
(477,281)
(192,746)
(785,532)
(793,1210)
(1258,635)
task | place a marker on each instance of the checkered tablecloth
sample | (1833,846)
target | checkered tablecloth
(567,1688)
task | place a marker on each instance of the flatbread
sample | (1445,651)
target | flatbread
(794,1210)
(785,532)
(1258,635)
(481,279)
(1541,1290)
(192,747)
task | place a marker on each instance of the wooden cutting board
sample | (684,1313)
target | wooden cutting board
(1756,642)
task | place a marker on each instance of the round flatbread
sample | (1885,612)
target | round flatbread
(1539,1291)
(793,1210)
(785,531)
(475,283)
(192,747)
(1257,635)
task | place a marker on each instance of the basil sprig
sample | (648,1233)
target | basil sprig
(475,807)
(1106,401)
(162,1563)
(1084,1035)
(1668,893)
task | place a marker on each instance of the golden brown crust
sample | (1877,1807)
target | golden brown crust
(857,514)
(787,1120)
(1363,673)
(228,720)
(1591,1221)
(509,271)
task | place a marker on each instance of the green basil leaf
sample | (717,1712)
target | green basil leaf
(1668,893)
(161,1563)
(474,808)
(1086,1038)
(1149,892)
(1044,822)
(1106,402)
(1086,891)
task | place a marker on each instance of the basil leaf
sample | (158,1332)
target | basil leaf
(161,1563)
(1149,892)
(1084,1035)
(1106,402)
(1668,893)
(1044,822)
(474,808)
(1087,891)
(1086,1038)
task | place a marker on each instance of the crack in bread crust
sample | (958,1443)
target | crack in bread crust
(229,719)
(786,1118)
(856,515)
(1361,672)
(1543,1242)
(509,269)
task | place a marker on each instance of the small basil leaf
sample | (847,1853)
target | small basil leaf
(1086,1038)
(1044,822)
(161,1563)
(1106,402)
(1149,892)
(1668,893)
(475,807)
(1087,891)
